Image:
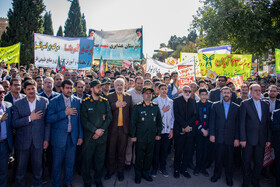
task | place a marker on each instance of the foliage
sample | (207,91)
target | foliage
(249,26)
(25,19)
(73,25)
(59,32)
(48,28)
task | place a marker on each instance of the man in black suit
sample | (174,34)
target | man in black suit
(185,114)
(215,94)
(14,94)
(276,142)
(255,134)
(272,100)
(224,132)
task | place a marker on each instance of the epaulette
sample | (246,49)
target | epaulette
(103,98)
(154,103)
(140,103)
(87,98)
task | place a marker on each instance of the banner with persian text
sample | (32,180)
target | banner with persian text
(119,45)
(76,53)
(185,69)
(10,54)
(229,65)
(226,49)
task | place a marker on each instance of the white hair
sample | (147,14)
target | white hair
(119,80)
(186,86)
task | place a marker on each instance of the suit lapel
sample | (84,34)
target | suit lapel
(223,109)
(229,110)
(254,108)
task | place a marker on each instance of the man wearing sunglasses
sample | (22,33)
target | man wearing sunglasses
(185,115)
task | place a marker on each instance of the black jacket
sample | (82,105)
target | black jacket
(224,129)
(199,123)
(185,114)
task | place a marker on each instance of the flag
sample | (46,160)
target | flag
(277,60)
(101,67)
(63,67)
(106,69)
(58,65)
(126,63)
(8,68)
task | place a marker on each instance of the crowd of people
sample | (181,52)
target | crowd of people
(78,120)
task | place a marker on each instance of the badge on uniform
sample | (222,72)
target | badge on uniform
(143,118)
(155,118)
(90,108)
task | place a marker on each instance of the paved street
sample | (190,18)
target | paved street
(161,181)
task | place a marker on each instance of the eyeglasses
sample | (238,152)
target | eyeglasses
(2,92)
(221,80)
(187,91)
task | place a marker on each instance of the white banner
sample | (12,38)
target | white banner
(185,68)
(76,53)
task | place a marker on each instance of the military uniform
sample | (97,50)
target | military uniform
(95,114)
(145,125)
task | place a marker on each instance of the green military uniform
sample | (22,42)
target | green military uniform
(95,114)
(145,125)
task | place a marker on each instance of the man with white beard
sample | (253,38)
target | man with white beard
(185,115)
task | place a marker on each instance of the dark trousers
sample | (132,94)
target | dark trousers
(277,166)
(93,151)
(144,158)
(117,143)
(183,145)
(36,157)
(47,161)
(237,157)
(4,158)
(201,152)
(161,152)
(255,154)
(64,154)
(223,156)
(78,161)
(210,153)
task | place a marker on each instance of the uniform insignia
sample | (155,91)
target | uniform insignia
(91,100)
(103,98)
(87,98)
(139,103)
(90,108)
(154,103)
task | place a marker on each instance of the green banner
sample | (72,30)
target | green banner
(10,54)
(277,60)
(230,65)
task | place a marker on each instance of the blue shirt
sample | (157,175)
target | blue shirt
(226,107)
(3,130)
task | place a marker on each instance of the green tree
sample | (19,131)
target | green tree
(84,23)
(25,19)
(249,26)
(59,32)
(73,25)
(48,28)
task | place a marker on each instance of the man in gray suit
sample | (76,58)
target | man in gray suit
(32,133)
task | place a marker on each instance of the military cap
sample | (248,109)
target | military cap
(106,81)
(95,82)
(147,88)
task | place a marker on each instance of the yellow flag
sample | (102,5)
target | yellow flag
(10,54)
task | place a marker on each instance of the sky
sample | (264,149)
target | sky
(160,19)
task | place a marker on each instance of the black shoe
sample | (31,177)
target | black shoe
(229,181)
(137,180)
(205,173)
(120,176)
(256,184)
(127,167)
(98,184)
(147,178)
(245,185)
(176,174)
(195,172)
(215,178)
(108,176)
(191,166)
(87,185)
(186,174)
